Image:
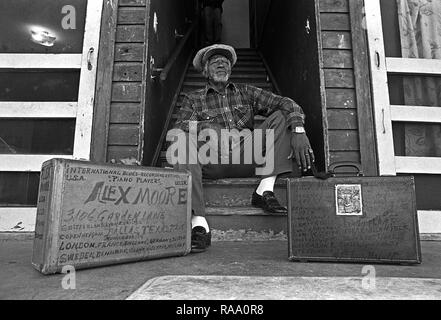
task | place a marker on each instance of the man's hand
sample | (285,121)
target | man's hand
(302,151)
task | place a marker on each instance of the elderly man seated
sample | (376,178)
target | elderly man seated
(225,111)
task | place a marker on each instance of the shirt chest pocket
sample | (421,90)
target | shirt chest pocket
(208,115)
(243,113)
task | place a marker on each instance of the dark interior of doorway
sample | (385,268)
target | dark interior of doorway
(286,33)
(283,32)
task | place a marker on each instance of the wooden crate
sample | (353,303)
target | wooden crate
(92,215)
(353,219)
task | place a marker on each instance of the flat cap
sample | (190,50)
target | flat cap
(206,53)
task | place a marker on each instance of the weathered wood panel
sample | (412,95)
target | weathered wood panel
(123,135)
(336,40)
(342,119)
(125,113)
(130,15)
(341,98)
(129,52)
(130,72)
(134,3)
(335,21)
(126,92)
(334,6)
(339,78)
(130,33)
(338,59)
(345,156)
(122,152)
(343,140)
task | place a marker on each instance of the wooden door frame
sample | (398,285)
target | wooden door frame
(366,130)
(103,93)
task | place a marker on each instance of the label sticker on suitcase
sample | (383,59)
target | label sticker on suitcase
(348,200)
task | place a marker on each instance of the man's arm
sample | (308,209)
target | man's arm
(266,103)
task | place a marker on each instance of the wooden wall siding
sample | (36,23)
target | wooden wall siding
(340,83)
(128,82)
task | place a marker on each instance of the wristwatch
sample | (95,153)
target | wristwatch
(299,130)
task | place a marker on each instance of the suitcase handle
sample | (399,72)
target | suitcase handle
(333,167)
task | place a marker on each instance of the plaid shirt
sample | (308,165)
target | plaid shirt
(236,109)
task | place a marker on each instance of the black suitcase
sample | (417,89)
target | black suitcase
(353,219)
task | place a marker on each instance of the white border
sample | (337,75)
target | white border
(418,165)
(38,109)
(40,61)
(416,114)
(417,66)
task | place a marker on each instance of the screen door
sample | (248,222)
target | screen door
(405,56)
(48,58)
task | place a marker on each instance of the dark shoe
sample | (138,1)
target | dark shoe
(200,239)
(268,202)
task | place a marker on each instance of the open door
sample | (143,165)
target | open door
(405,55)
(48,58)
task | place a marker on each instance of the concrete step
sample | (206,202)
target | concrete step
(234,76)
(237,192)
(228,205)
(248,57)
(241,63)
(245,63)
(236,69)
(190,86)
(241,51)
(236,220)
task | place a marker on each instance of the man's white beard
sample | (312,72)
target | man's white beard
(221,79)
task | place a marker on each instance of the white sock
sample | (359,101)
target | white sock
(266,185)
(198,221)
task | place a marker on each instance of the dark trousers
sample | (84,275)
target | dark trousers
(281,148)
(212,24)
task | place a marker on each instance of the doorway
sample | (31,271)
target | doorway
(236,23)
(281,37)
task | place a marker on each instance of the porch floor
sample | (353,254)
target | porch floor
(247,259)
